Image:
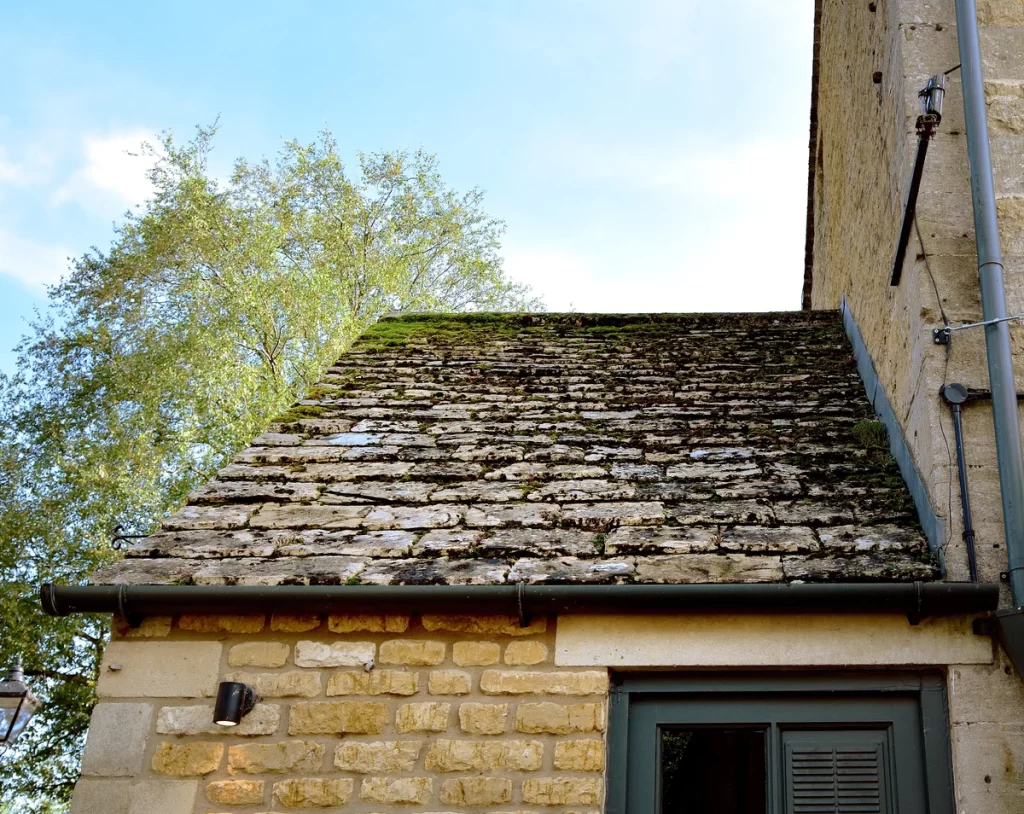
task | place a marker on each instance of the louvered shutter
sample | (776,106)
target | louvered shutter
(837,772)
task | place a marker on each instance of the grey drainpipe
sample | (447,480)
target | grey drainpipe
(1010,623)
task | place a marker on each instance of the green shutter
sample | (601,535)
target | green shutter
(837,772)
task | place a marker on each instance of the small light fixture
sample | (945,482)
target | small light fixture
(235,700)
(17,705)
(932,95)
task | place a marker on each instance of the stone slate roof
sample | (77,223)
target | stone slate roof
(567,448)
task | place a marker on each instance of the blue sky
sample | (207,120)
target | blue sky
(647,155)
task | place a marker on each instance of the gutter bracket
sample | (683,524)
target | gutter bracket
(134,620)
(524,618)
(1009,629)
(914,615)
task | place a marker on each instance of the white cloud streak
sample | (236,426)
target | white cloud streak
(10,172)
(748,173)
(748,256)
(34,265)
(113,175)
(33,166)
(107,180)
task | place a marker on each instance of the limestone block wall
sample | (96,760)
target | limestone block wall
(986,705)
(356,714)
(473,714)
(873,58)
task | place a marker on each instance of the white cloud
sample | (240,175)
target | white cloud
(113,176)
(33,166)
(655,31)
(34,265)
(641,39)
(737,245)
(748,266)
(561,276)
(108,180)
(649,40)
(754,172)
(10,172)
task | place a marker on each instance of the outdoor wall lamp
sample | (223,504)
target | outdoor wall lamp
(17,705)
(235,700)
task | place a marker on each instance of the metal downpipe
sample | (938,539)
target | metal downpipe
(965,494)
(993,297)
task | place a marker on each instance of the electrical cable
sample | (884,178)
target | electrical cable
(954,68)
(928,268)
(945,371)
(949,462)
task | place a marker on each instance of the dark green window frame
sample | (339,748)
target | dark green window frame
(907,699)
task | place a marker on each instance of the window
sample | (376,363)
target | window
(779,744)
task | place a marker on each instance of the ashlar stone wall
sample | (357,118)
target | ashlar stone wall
(356,714)
(873,58)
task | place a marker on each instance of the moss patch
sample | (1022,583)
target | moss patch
(461,329)
(300,411)
(871,434)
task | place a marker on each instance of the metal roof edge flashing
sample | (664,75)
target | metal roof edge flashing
(915,599)
(933,526)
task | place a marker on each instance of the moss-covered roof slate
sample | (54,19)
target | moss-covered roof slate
(562,448)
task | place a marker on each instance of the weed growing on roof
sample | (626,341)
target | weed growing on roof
(871,434)
(530,486)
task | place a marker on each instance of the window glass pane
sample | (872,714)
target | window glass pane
(713,771)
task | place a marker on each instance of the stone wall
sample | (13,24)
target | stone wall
(872,60)
(366,713)
(871,65)
(473,713)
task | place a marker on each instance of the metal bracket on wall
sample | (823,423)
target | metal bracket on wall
(524,617)
(134,620)
(927,123)
(941,336)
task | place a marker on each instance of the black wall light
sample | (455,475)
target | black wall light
(235,700)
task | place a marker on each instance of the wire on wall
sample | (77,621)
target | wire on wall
(945,371)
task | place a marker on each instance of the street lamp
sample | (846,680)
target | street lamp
(17,705)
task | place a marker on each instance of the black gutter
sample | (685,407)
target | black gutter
(915,599)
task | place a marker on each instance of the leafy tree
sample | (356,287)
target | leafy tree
(215,306)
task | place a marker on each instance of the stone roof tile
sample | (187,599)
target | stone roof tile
(572,448)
